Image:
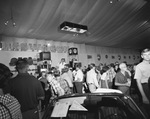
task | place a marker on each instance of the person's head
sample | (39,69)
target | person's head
(62,59)
(123,66)
(5,75)
(78,66)
(112,65)
(43,74)
(92,66)
(67,66)
(22,66)
(145,54)
(50,76)
(105,69)
(64,70)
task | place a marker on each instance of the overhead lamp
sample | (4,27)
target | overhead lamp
(73,27)
(11,19)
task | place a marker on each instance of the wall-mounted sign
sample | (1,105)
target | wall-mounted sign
(16,46)
(73,51)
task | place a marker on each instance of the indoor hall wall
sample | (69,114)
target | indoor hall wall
(86,53)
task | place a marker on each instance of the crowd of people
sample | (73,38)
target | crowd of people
(24,90)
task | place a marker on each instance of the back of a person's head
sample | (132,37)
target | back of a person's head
(64,70)
(92,65)
(104,69)
(22,64)
(5,75)
(112,65)
(67,65)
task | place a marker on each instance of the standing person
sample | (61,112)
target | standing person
(27,89)
(105,77)
(61,64)
(56,89)
(78,80)
(142,74)
(9,105)
(44,82)
(91,79)
(123,79)
(112,75)
(65,76)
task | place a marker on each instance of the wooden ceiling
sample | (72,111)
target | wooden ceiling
(111,23)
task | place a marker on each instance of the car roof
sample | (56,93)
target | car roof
(101,92)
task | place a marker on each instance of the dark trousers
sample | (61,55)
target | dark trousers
(45,102)
(31,114)
(78,87)
(147,93)
(124,89)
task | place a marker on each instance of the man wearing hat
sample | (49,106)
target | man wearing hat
(9,105)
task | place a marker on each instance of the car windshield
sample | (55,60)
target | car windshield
(94,107)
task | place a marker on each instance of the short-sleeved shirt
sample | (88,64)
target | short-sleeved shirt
(92,78)
(79,75)
(64,85)
(142,72)
(66,77)
(26,89)
(120,78)
(104,76)
(55,85)
(9,107)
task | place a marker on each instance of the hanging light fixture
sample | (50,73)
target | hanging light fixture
(11,19)
(73,27)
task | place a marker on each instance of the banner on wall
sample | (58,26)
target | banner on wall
(16,46)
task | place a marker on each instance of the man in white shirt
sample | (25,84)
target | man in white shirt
(142,75)
(78,80)
(61,64)
(91,79)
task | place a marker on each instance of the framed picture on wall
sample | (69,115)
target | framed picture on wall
(133,57)
(113,57)
(106,56)
(89,56)
(98,57)
(129,57)
(119,57)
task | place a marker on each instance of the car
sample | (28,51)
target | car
(103,104)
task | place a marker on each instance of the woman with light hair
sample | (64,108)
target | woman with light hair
(123,79)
